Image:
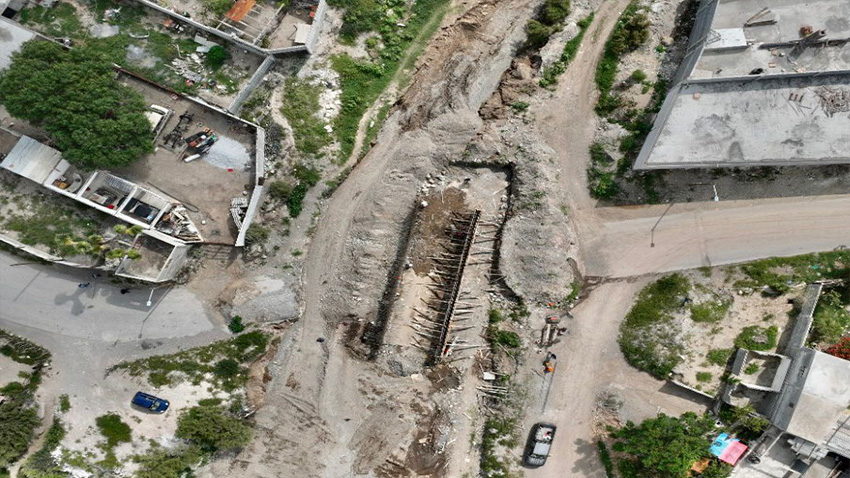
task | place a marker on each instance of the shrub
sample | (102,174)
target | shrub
(757,338)
(831,320)
(235,325)
(538,34)
(280,190)
(495,316)
(115,430)
(64,403)
(300,107)
(631,31)
(841,349)
(638,76)
(212,429)
(216,57)
(555,12)
(505,338)
(719,356)
(167,463)
(226,369)
(710,312)
(657,301)
(256,234)
(605,457)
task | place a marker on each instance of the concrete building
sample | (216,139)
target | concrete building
(762,84)
(807,403)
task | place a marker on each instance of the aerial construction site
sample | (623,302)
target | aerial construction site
(425,238)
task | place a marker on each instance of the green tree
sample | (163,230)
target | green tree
(216,57)
(212,429)
(95,121)
(663,447)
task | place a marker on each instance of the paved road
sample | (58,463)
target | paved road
(621,242)
(47,298)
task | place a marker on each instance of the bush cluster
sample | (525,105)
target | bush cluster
(550,20)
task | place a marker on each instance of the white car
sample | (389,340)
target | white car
(158,116)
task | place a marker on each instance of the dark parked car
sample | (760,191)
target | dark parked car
(539,444)
(149,402)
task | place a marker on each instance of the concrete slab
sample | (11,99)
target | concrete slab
(772,121)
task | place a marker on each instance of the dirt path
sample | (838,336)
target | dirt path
(589,362)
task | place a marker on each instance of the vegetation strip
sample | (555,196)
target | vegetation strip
(551,74)
(363,81)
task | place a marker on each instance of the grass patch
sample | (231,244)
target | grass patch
(300,107)
(497,431)
(710,312)
(64,403)
(704,376)
(647,342)
(752,368)
(362,81)
(757,338)
(601,180)
(59,21)
(831,320)
(495,316)
(719,356)
(779,273)
(550,75)
(195,364)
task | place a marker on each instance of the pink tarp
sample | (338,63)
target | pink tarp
(733,452)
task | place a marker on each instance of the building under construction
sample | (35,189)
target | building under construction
(762,84)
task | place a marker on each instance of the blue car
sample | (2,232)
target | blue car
(149,402)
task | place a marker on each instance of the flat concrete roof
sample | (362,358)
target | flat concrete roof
(752,92)
(817,408)
(752,121)
(722,57)
(12,36)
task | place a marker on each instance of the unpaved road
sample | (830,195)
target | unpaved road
(589,362)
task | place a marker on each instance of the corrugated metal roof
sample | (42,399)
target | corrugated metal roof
(31,159)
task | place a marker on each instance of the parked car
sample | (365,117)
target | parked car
(149,402)
(539,444)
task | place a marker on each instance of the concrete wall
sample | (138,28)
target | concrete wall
(257,193)
(200,26)
(308,48)
(696,41)
(236,106)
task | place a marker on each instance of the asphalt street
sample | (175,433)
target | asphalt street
(47,298)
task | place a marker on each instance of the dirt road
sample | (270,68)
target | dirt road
(589,362)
